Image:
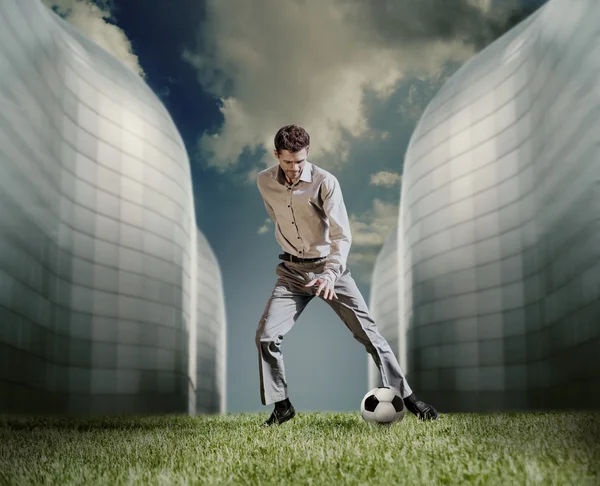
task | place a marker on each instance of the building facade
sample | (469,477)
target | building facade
(211,338)
(98,246)
(385,304)
(501,223)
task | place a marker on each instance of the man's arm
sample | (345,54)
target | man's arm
(270,211)
(339,230)
(267,205)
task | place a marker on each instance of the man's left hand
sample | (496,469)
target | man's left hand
(325,285)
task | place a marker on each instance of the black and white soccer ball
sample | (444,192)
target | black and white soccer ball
(382,405)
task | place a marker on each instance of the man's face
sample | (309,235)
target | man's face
(292,163)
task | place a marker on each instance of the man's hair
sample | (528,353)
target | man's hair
(292,138)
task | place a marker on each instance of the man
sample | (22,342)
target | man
(311,224)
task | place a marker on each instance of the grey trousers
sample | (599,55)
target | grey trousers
(288,299)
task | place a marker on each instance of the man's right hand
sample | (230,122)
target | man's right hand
(325,285)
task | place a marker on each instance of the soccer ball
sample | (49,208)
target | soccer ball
(383,406)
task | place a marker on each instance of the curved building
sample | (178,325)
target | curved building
(98,258)
(211,333)
(501,213)
(386,306)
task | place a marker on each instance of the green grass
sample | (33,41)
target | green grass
(313,448)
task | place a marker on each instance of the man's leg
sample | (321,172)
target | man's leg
(287,301)
(352,309)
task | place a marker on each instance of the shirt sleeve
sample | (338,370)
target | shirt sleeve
(267,205)
(339,231)
(270,211)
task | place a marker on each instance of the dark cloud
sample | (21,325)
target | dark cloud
(500,24)
(406,22)
(65,7)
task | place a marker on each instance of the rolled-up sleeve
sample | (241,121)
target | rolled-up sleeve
(339,229)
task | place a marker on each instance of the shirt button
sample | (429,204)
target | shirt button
(289,206)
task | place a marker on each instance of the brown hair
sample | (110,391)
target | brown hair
(292,138)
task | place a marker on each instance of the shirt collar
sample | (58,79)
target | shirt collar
(306,175)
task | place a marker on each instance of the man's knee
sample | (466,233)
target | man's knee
(268,345)
(363,339)
(264,335)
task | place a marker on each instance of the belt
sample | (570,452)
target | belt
(288,257)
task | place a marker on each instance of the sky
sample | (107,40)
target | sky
(356,75)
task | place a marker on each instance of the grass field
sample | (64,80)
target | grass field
(313,448)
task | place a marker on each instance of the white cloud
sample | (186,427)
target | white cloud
(252,175)
(484,5)
(273,63)
(361,265)
(90,18)
(370,230)
(372,227)
(384,178)
(265,227)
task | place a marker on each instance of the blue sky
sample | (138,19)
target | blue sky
(357,78)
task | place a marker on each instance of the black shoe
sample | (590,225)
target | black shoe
(422,410)
(280,415)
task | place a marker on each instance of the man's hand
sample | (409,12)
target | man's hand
(325,285)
